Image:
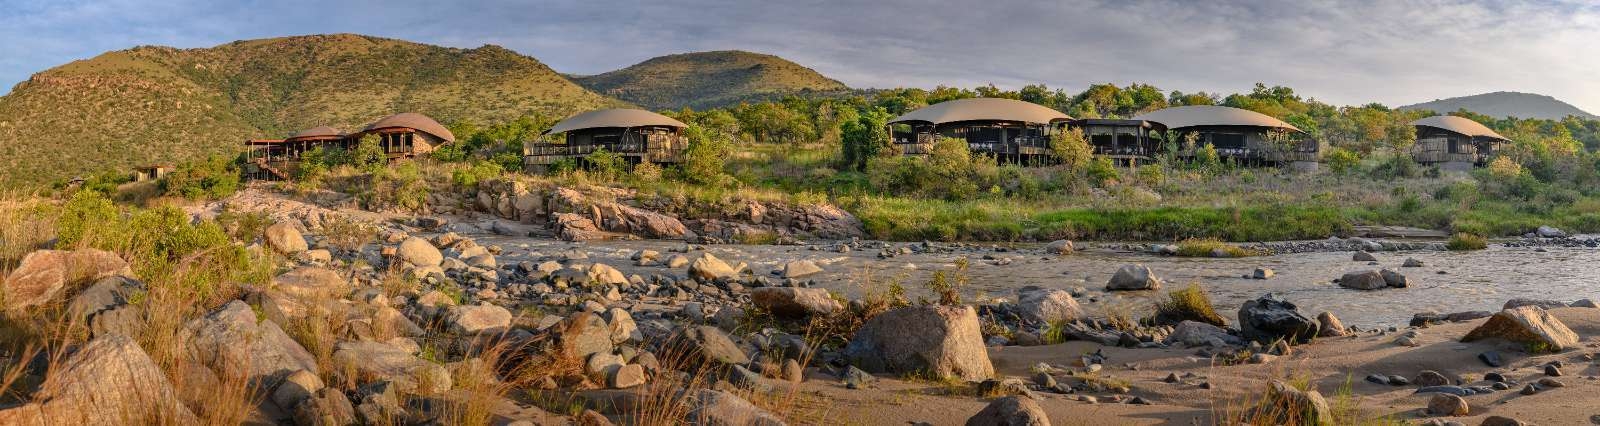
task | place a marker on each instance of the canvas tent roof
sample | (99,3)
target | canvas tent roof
(617,117)
(1461,125)
(971,109)
(411,120)
(319,132)
(1212,115)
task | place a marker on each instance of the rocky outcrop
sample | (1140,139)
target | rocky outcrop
(1528,325)
(109,381)
(943,341)
(44,275)
(1271,318)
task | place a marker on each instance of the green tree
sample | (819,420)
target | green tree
(705,157)
(368,156)
(1071,148)
(865,138)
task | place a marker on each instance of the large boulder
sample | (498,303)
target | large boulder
(1528,325)
(108,381)
(373,362)
(800,269)
(943,341)
(419,252)
(1134,277)
(1363,280)
(795,302)
(1550,232)
(474,319)
(45,274)
(707,346)
(584,334)
(709,267)
(720,408)
(1047,305)
(1270,318)
(284,238)
(233,338)
(311,283)
(1059,247)
(1011,411)
(1542,303)
(1195,333)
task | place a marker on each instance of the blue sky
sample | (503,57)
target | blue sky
(1345,52)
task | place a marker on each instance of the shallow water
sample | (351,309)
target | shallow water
(1478,280)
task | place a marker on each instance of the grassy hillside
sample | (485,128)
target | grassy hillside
(708,79)
(1506,104)
(164,105)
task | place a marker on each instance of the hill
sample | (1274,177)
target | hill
(164,105)
(708,79)
(1506,104)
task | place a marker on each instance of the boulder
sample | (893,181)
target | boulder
(1444,404)
(1262,273)
(800,269)
(1047,305)
(719,408)
(1550,232)
(605,274)
(1394,279)
(1363,280)
(1329,325)
(795,302)
(622,327)
(232,338)
(943,341)
(1412,263)
(1134,277)
(1362,256)
(709,267)
(1531,326)
(1302,407)
(1270,318)
(43,275)
(707,346)
(676,261)
(1194,333)
(474,319)
(373,362)
(328,407)
(1059,247)
(419,252)
(108,381)
(1520,302)
(312,284)
(583,334)
(298,386)
(1426,378)
(1010,411)
(627,376)
(284,238)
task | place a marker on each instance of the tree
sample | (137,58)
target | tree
(368,155)
(864,138)
(704,159)
(1071,148)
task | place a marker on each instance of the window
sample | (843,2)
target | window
(1227,140)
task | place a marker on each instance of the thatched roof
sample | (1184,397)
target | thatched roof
(617,117)
(319,132)
(984,109)
(1459,125)
(411,120)
(1212,115)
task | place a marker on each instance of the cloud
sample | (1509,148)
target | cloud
(1395,52)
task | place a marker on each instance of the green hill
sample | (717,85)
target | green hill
(164,105)
(708,79)
(1506,104)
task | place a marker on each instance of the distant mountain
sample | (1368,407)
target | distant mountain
(164,105)
(708,79)
(1506,104)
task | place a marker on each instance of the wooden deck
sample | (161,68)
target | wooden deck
(544,154)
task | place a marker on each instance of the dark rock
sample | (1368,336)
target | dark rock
(1271,318)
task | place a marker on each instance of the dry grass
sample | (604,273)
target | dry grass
(1187,304)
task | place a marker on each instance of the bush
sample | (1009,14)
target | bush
(1204,247)
(1188,304)
(478,171)
(1071,148)
(1342,161)
(1102,171)
(212,178)
(1463,241)
(1152,175)
(1504,168)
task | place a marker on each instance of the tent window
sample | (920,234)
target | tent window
(1227,140)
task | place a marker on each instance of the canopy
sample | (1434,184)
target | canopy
(971,109)
(617,117)
(1212,115)
(411,120)
(319,132)
(1460,125)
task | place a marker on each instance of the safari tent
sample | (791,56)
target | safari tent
(1010,130)
(1245,136)
(636,135)
(1454,143)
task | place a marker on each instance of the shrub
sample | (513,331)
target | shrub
(478,171)
(1462,241)
(1205,247)
(605,164)
(1071,148)
(948,287)
(1102,171)
(1188,304)
(1152,175)
(1342,161)
(1504,168)
(646,172)
(212,178)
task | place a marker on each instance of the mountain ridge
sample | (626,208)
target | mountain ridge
(708,79)
(1505,104)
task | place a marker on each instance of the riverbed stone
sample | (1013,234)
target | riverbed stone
(233,338)
(943,341)
(800,269)
(108,381)
(1550,232)
(1134,277)
(474,319)
(1271,317)
(707,345)
(374,361)
(1363,280)
(1362,256)
(1527,325)
(1542,303)
(1394,279)
(1310,406)
(43,275)
(1060,247)
(1427,378)
(715,407)
(1047,305)
(709,267)
(1329,325)
(795,302)
(1195,333)
(1016,410)
(1262,273)
(1412,263)
(284,238)
(1443,404)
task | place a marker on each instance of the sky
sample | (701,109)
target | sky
(1343,52)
